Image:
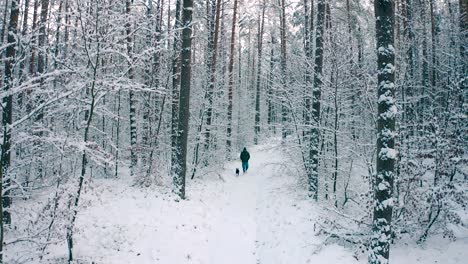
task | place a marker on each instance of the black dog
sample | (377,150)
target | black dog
(237,172)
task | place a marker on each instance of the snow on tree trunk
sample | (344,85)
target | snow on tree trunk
(316,94)
(175,87)
(132,99)
(7,115)
(386,154)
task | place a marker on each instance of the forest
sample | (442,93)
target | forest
(123,122)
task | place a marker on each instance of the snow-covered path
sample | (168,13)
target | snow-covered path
(234,233)
(262,217)
(254,218)
(258,217)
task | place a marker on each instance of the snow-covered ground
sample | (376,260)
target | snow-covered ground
(262,217)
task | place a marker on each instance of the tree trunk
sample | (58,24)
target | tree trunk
(132,100)
(66,34)
(7,115)
(316,94)
(152,100)
(41,58)
(117,137)
(184,100)
(308,70)
(463,35)
(25,17)
(284,109)
(149,76)
(32,59)
(23,53)
(408,91)
(57,36)
(213,52)
(425,66)
(4,24)
(434,58)
(386,154)
(270,119)
(2,222)
(463,24)
(259,72)
(175,87)
(231,78)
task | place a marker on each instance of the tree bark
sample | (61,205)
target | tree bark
(184,100)
(463,24)
(7,114)
(408,91)
(231,78)
(434,57)
(32,59)
(386,154)
(175,87)
(308,70)
(41,58)
(284,109)
(259,72)
(425,66)
(270,119)
(316,94)
(213,52)
(5,15)
(132,100)
(463,38)
(24,30)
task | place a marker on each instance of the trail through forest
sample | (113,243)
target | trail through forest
(258,217)
(261,217)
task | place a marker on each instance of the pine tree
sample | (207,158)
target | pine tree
(259,72)
(175,87)
(132,96)
(284,109)
(184,99)
(231,78)
(211,65)
(7,117)
(316,96)
(386,153)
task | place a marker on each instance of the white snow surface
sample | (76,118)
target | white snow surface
(261,217)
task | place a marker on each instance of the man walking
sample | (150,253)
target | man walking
(245,156)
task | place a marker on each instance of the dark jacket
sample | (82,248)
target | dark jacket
(244,156)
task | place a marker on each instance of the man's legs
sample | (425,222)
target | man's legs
(245,166)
